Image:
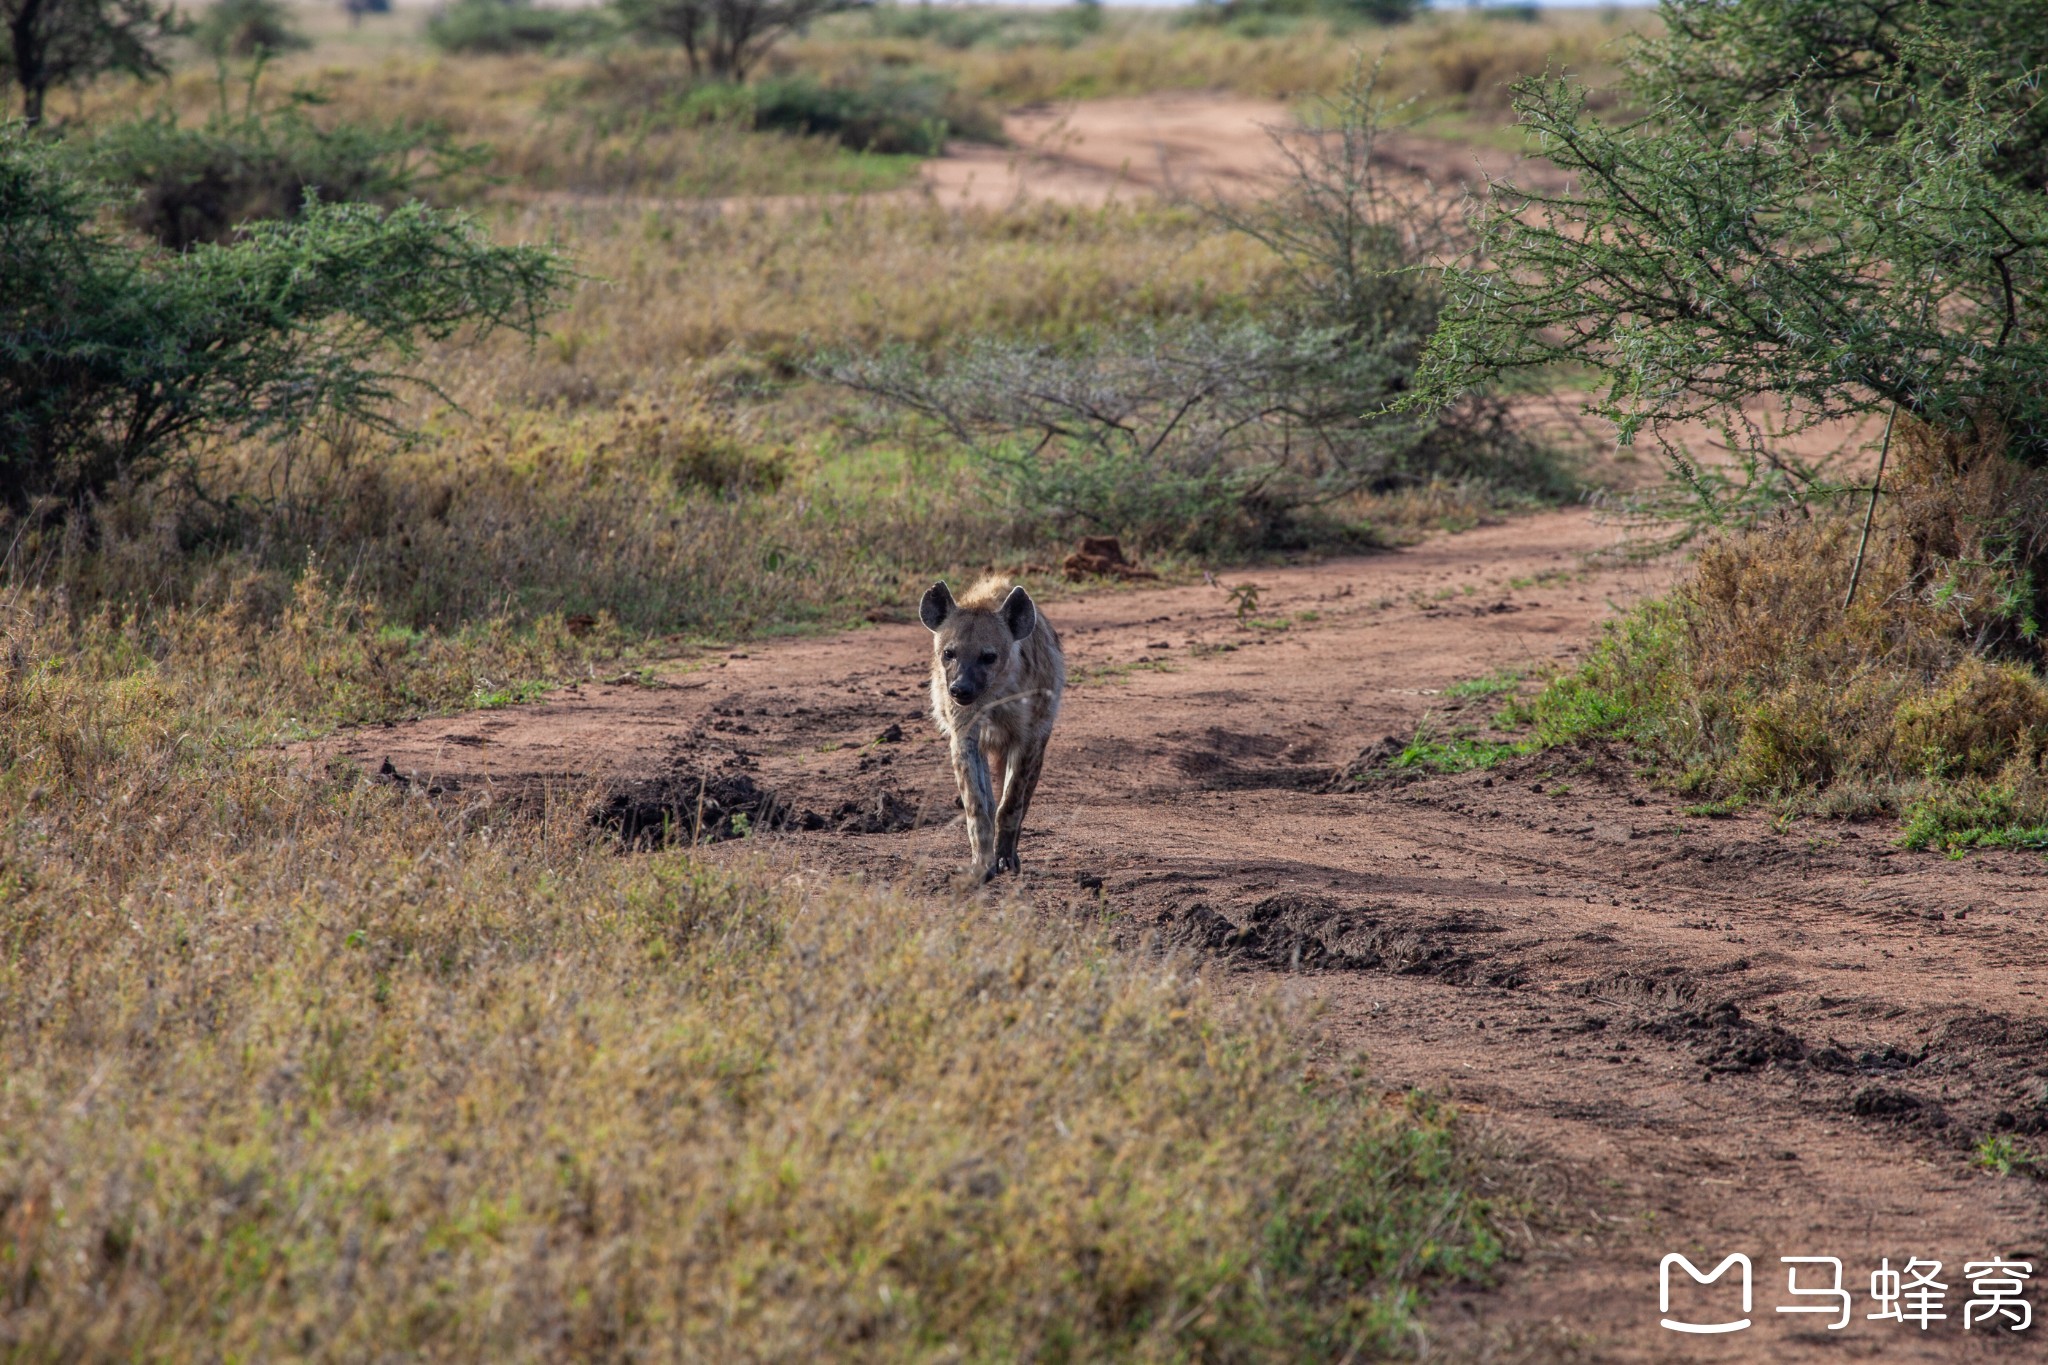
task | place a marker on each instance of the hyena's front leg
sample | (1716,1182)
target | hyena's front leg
(970,769)
(1020,779)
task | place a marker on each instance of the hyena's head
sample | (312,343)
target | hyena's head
(975,642)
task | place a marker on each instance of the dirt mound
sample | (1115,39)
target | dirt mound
(1101,557)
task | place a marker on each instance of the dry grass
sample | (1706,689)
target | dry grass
(656,462)
(768,287)
(299,1067)
(547,132)
(1453,61)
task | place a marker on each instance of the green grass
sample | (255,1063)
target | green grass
(1957,821)
(1500,683)
(2002,1154)
(1459,750)
(512,694)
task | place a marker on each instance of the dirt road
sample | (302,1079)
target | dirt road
(1697,1036)
(1195,143)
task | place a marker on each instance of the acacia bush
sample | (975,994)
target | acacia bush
(116,360)
(1703,256)
(1859,66)
(46,45)
(505,26)
(198,183)
(725,40)
(249,28)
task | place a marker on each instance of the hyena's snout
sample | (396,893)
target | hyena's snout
(968,671)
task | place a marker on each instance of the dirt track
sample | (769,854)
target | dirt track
(1700,1036)
(1195,144)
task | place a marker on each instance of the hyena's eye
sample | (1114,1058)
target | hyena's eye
(988,656)
(950,655)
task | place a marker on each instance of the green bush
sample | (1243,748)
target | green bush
(198,184)
(961,27)
(1848,63)
(957,27)
(504,26)
(1834,209)
(48,44)
(890,110)
(725,40)
(249,28)
(1261,16)
(884,110)
(1850,239)
(115,359)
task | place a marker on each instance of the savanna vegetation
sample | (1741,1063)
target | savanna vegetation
(348,373)
(416,370)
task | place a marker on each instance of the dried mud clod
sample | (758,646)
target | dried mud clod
(1294,932)
(697,809)
(1370,765)
(1101,557)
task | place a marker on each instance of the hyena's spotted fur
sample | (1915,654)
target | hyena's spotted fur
(997,675)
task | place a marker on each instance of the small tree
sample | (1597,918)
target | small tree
(116,359)
(724,39)
(52,43)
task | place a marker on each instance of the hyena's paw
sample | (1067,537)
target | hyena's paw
(1005,862)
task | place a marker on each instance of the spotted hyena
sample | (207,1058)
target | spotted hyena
(997,675)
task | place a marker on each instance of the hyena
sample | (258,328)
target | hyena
(997,675)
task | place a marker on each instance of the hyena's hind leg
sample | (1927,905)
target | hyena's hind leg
(1025,761)
(977,801)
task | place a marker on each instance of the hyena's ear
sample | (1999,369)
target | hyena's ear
(936,606)
(1020,614)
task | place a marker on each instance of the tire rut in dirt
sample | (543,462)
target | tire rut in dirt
(713,807)
(1225,760)
(1298,932)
